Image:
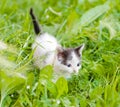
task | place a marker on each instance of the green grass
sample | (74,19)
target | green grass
(93,22)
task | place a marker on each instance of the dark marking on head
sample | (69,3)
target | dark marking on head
(65,55)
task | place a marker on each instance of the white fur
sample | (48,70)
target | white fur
(75,60)
(45,53)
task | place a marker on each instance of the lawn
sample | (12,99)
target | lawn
(96,23)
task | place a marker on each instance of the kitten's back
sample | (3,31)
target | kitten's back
(45,42)
(44,50)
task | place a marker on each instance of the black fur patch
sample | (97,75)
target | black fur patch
(66,54)
(35,23)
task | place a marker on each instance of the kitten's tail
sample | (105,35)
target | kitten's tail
(35,23)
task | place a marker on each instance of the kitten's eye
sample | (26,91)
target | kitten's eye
(69,65)
(78,64)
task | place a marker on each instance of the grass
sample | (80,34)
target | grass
(93,22)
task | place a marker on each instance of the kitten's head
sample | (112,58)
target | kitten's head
(70,59)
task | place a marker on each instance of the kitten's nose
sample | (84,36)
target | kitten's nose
(74,71)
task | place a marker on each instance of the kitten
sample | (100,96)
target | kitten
(48,51)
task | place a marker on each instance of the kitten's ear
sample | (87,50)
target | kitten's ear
(79,49)
(60,53)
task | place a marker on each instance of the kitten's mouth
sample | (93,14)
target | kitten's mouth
(75,73)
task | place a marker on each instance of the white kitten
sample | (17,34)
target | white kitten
(47,51)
